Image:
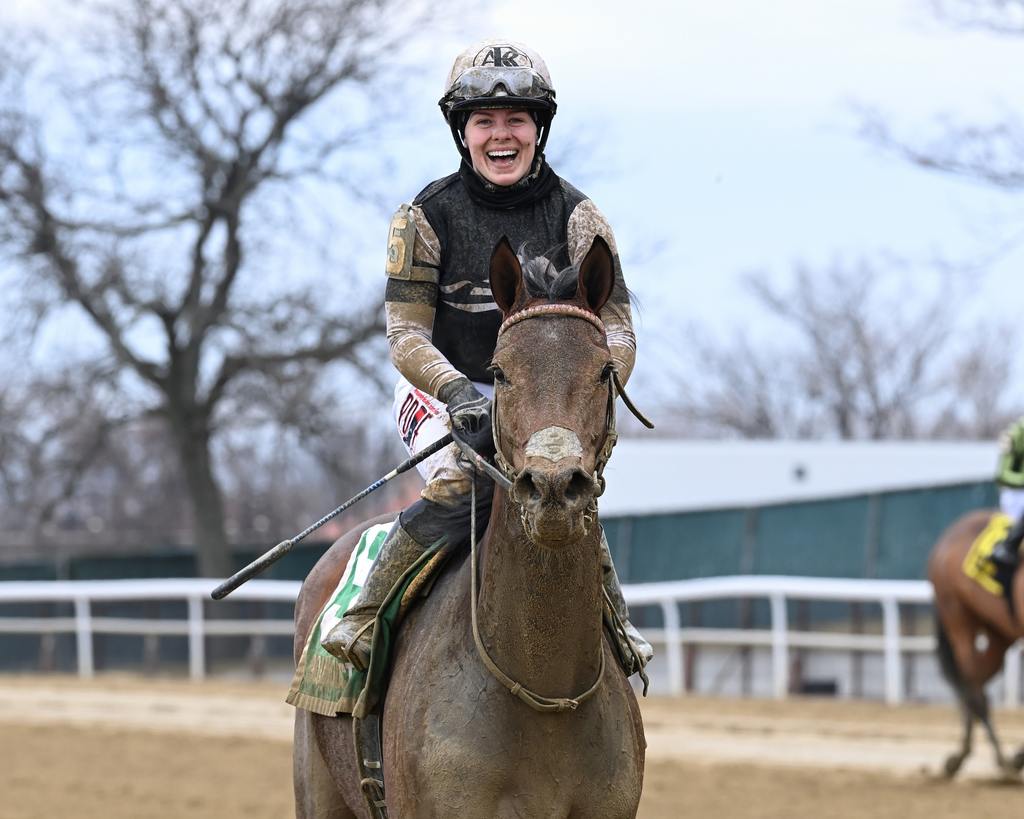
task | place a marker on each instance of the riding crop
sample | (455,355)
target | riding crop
(281,549)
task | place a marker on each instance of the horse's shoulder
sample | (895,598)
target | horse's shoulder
(443,598)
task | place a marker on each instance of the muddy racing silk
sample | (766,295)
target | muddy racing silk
(442,321)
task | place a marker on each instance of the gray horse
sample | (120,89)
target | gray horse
(456,742)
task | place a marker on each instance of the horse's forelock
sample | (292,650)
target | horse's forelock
(543,280)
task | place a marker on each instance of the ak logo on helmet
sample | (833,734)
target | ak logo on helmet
(502,56)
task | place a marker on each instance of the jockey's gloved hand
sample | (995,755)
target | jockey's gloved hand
(470,411)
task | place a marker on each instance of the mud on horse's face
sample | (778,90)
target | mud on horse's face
(551,393)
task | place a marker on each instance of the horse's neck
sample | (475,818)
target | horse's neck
(540,610)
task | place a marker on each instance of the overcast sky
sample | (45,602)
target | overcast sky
(721,137)
(728,131)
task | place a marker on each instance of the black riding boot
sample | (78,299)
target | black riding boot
(1005,554)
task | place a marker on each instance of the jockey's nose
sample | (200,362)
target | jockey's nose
(571,488)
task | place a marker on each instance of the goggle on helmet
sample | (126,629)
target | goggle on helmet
(498,74)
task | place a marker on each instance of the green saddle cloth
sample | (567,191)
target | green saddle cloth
(326,685)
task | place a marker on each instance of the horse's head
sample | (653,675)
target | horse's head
(553,394)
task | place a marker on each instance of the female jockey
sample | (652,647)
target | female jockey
(1010,477)
(442,322)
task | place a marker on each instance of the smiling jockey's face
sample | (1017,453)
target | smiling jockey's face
(502,144)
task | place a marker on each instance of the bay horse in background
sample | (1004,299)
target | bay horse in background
(974,628)
(456,742)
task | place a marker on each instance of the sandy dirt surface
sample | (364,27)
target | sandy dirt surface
(138,748)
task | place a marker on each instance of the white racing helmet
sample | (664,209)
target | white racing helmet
(498,74)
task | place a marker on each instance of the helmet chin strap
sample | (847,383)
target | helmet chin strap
(458,134)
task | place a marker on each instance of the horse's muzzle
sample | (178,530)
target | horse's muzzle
(556,502)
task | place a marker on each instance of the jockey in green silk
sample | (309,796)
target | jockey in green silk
(1010,477)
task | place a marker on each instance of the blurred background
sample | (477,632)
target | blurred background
(817,208)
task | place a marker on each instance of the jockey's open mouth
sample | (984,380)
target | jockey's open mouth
(503,159)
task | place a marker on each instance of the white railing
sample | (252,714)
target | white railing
(889,595)
(83,593)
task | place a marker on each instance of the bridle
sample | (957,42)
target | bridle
(615,389)
(505,474)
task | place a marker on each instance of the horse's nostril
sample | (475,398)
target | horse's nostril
(526,489)
(580,486)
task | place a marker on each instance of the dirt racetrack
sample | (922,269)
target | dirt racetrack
(131,748)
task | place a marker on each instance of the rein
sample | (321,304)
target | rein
(537,702)
(508,475)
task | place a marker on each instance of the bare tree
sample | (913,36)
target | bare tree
(980,401)
(852,357)
(73,482)
(159,194)
(991,153)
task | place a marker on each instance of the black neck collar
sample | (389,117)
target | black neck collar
(537,184)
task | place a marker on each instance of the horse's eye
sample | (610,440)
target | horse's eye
(499,375)
(606,373)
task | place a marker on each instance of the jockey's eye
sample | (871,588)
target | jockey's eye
(606,373)
(499,375)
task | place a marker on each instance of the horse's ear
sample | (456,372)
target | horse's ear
(506,276)
(597,275)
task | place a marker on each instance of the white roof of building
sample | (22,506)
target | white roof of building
(658,475)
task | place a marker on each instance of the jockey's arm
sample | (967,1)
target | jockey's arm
(586,222)
(414,258)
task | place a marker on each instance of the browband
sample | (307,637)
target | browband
(552,310)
